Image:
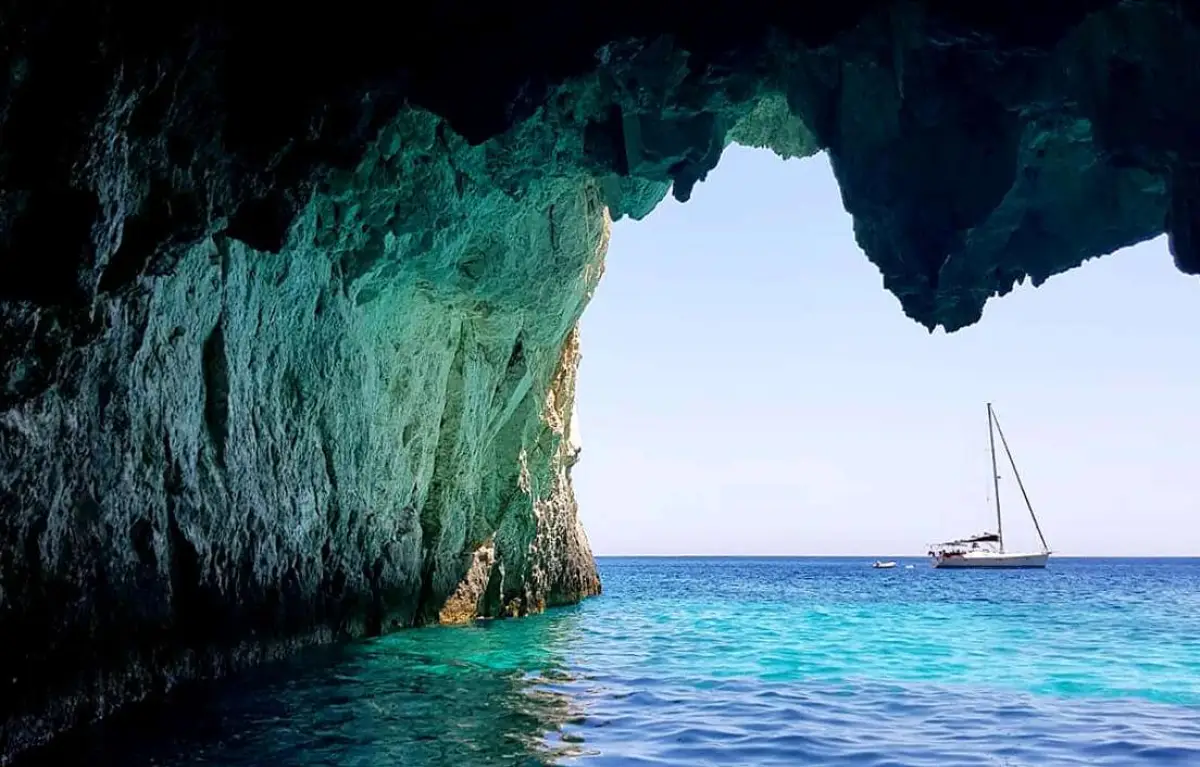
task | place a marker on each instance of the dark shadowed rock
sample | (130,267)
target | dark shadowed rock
(287,299)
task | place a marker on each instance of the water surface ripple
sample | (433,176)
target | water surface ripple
(735,662)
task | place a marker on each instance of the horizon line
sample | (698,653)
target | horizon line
(873,556)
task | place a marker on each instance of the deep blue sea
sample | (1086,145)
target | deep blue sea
(736,662)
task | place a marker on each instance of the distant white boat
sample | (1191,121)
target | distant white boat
(987,549)
(883,565)
(990,559)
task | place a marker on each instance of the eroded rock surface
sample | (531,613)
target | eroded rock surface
(287,311)
(260,450)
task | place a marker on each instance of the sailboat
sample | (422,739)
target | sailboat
(987,549)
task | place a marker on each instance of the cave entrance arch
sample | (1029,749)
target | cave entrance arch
(743,393)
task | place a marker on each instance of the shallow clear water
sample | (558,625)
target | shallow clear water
(738,661)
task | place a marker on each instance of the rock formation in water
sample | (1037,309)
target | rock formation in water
(287,302)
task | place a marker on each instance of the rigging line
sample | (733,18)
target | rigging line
(1020,484)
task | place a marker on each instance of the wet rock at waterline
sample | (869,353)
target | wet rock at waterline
(287,303)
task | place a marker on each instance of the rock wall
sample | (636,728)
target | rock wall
(539,555)
(261,450)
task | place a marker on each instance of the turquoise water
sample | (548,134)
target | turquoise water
(737,661)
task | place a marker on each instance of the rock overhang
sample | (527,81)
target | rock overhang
(974,143)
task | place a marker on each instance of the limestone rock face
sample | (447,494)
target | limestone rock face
(260,450)
(287,310)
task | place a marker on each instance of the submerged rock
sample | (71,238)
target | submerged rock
(287,312)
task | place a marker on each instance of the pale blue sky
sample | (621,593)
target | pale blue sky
(749,387)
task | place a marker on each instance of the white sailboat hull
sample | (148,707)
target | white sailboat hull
(996,559)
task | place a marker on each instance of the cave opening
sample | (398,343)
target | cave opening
(746,388)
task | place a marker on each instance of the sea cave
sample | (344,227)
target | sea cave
(289,299)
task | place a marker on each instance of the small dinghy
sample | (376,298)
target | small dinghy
(883,565)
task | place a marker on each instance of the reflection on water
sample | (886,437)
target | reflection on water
(440,696)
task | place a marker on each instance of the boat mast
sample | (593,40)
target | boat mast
(995,477)
(1020,484)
